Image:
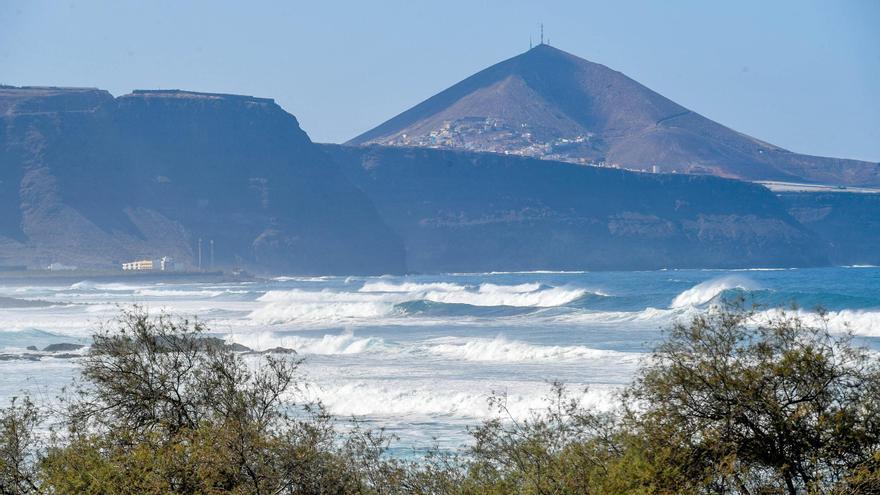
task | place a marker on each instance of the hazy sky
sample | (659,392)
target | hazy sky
(804,75)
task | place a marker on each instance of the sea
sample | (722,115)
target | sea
(420,355)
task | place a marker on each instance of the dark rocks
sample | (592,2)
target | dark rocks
(236,347)
(11,302)
(278,350)
(20,357)
(63,347)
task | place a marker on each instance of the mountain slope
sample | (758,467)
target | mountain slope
(91,180)
(549,104)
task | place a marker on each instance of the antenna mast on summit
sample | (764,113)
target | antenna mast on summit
(542,33)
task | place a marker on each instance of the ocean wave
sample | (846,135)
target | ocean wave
(90,285)
(326,313)
(486,294)
(523,272)
(409,287)
(319,307)
(180,293)
(495,295)
(463,400)
(705,292)
(345,343)
(652,315)
(864,323)
(761,269)
(383,299)
(500,349)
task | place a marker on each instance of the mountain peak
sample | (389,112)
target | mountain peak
(545,50)
(547,103)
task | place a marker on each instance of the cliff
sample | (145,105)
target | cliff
(462,212)
(847,223)
(91,180)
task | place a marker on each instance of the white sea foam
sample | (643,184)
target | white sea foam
(321,307)
(522,295)
(865,323)
(461,399)
(328,313)
(179,293)
(302,279)
(710,289)
(345,343)
(501,349)
(378,299)
(761,269)
(648,315)
(526,272)
(409,287)
(525,295)
(90,285)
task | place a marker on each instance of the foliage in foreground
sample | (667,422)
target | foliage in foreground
(728,404)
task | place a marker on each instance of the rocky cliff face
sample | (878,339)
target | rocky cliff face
(848,223)
(458,211)
(90,180)
(550,104)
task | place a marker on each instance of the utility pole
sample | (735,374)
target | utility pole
(212,254)
(200,254)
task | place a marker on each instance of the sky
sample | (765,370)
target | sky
(804,75)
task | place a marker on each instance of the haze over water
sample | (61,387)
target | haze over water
(421,354)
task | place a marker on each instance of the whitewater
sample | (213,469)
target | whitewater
(420,355)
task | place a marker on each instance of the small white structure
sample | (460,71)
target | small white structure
(163,264)
(57,267)
(166,264)
(140,265)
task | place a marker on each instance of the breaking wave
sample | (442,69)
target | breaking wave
(487,294)
(90,285)
(406,287)
(396,399)
(647,315)
(705,292)
(864,323)
(383,299)
(501,349)
(319,307)
(497,295)
(180,293)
